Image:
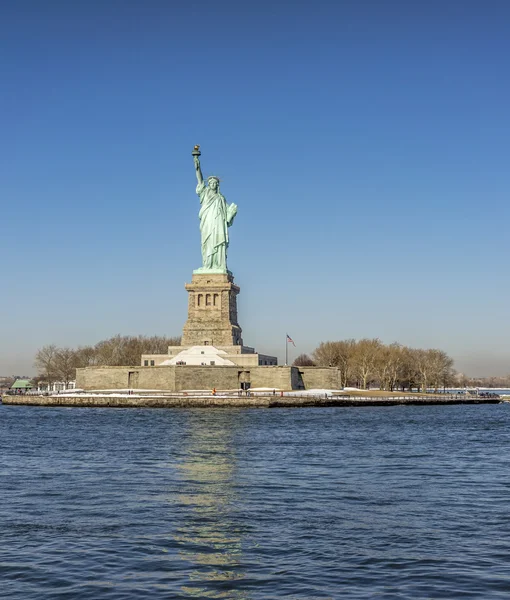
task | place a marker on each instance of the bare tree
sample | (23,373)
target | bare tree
(345,360)
(60,364)
(391,365)
(396,359)
(45,362)
(6,382)
(303,360)
(65,365)
(86,356)
(126,350)
(337,354)
(365,359)
(38,380)
(420,361)
(383,367)
(441,368)
(460,380)
(326,354)
(409,376)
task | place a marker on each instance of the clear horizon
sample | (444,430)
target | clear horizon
(366,145)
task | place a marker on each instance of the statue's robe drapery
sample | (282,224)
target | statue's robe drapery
(215,219)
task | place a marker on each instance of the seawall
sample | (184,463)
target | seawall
(154,401)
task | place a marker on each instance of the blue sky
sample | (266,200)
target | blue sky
(366,144)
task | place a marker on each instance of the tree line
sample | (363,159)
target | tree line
(361,362)
(368,361)
(60,364)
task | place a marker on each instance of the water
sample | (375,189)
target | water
(387,502)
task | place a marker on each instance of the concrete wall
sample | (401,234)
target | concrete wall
(237,349)
(271,377)
(170,378)
(206,378)
(187,377)
(320,377)
(106,378)
(154,400)
(118,378)
(244,360)
(266,359)
(157,358)
(212,311)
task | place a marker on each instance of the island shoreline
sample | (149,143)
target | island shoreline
(200,401)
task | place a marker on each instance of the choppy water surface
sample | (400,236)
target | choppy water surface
(397,502)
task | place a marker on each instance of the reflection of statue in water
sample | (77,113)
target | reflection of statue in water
(215,219)
(212,536)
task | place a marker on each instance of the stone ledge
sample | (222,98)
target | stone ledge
(289,401)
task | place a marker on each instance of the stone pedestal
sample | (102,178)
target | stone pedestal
(212,311)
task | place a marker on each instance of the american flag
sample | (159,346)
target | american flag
(289,339)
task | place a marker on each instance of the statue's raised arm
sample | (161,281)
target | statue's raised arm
(196,159)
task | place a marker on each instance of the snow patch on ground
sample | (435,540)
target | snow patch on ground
(315,392)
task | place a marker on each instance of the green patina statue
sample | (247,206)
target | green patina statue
(216,216)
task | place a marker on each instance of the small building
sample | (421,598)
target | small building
(55,386)
(21,386)
(209,355)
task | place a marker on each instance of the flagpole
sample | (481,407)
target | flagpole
(286,350)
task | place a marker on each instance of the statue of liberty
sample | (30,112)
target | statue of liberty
(216,216)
